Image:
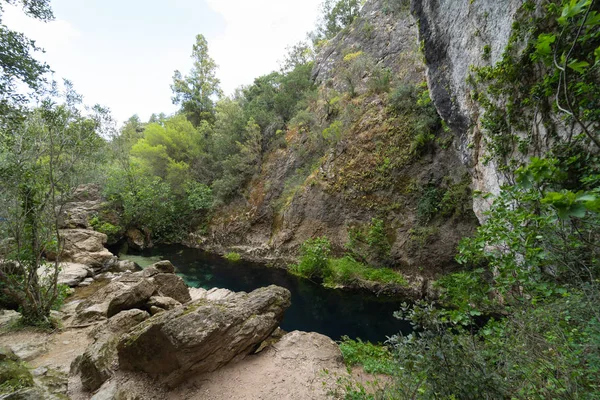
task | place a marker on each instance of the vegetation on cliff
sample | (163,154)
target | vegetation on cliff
(521,320)
(520,317)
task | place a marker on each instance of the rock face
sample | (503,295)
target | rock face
(96,365)
(84,203)
(388,37)
(351,183)
(84,246)
(137,240)
(204,335)
(454,35)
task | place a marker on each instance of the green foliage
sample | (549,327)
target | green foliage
(42,159)
(414,104)
(374,358)
(347,271)
(458,199)
(337,15)
(233,256)
(18,65)
(446,200)
(105,227)
(548,69)
(195,92)
(380,80)
(333,133)
(370,243)
(314,256)
(14,375)
(534,265)
(429,203)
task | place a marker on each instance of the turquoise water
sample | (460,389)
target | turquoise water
(314,308)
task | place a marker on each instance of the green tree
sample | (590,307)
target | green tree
(169,150)
(41,162)
(17,64)
(337,14)
(196,92)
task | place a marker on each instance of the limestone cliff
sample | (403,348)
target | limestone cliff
(379,164)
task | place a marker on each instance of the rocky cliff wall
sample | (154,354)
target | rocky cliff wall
(376,168)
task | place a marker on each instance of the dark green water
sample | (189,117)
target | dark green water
(332,312)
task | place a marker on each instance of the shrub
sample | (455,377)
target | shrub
(348,271)
(370,243)
(314,255)
(429,203)
(110,230)
(374,358)
(232,256)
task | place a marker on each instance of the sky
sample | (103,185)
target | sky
(122,53)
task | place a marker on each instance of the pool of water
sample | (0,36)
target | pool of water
(314,308)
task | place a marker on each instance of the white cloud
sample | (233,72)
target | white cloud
(257,35)
(50,36)
(127,63)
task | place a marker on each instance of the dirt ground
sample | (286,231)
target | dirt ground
(300,366)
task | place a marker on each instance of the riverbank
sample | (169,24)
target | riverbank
(65,363)
(415,286)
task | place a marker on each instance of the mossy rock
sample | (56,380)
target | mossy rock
(14,376)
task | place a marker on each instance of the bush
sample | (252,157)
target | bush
(348,271)
(314,255)
(233,256)
(429,203)
(375,359)
(110,230)
(370,243)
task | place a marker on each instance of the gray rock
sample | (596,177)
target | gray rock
(84,246)
(6,353)
(204,335)
(173,286)
(86,282)
(30,349)
(218,294)
(129,291)
(165,303)
(124,266)
(161,267)
(98,361)
(33,393)
(137,240)
(71,274)
(108,391)
(8,318)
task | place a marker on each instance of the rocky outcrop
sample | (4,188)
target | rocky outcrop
(72,274)
(96,365)
(132,290)
(369,172)
(455,36)
(388,37)
(203,335)
(85,246)
(83,204)
(138,240)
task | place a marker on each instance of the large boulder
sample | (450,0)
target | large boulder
(204,335)
(124,266)
(133,290)
(72,274)
(173,286)
(125,293)
(98,361)
(84,246)
(137,240)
